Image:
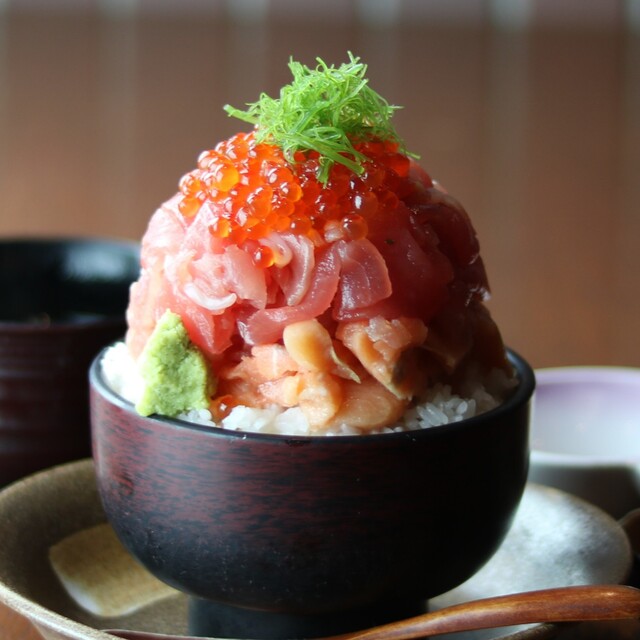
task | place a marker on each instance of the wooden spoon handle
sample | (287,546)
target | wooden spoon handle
(564,604)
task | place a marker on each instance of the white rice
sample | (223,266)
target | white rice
(437,407)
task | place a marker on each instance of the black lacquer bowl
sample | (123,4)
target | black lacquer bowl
(61,301)
(278,536)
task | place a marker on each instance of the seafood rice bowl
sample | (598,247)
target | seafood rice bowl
(311,278)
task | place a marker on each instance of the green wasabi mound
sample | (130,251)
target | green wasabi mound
(174,372)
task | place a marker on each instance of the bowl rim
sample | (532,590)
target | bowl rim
(586,373)
(521,395)
(580,374)
(552,460)
(107,321)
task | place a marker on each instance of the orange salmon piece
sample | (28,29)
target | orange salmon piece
(386,350)
(320,399)
(368,405)
(311,346)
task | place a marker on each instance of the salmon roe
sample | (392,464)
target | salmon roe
(253,190)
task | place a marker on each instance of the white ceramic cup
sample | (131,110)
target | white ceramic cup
(585,434)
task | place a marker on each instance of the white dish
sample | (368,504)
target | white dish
(585,434)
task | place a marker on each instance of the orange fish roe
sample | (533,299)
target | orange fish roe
(253,190)
(222,405)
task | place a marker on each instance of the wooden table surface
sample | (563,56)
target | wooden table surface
(537,134)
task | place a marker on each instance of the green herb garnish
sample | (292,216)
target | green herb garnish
(327,109)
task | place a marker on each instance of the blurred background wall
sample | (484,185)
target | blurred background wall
(513,13)
(526,110)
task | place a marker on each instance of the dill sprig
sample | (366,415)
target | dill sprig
(327,109)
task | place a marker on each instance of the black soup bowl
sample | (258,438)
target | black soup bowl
(274,536)
(61,301)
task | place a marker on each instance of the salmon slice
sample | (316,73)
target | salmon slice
(367,405)
(386,350)
(312,348)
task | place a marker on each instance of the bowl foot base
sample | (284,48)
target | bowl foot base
(212,619)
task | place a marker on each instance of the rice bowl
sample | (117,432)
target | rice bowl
(324,533)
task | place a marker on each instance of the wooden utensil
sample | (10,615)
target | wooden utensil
(564,604)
